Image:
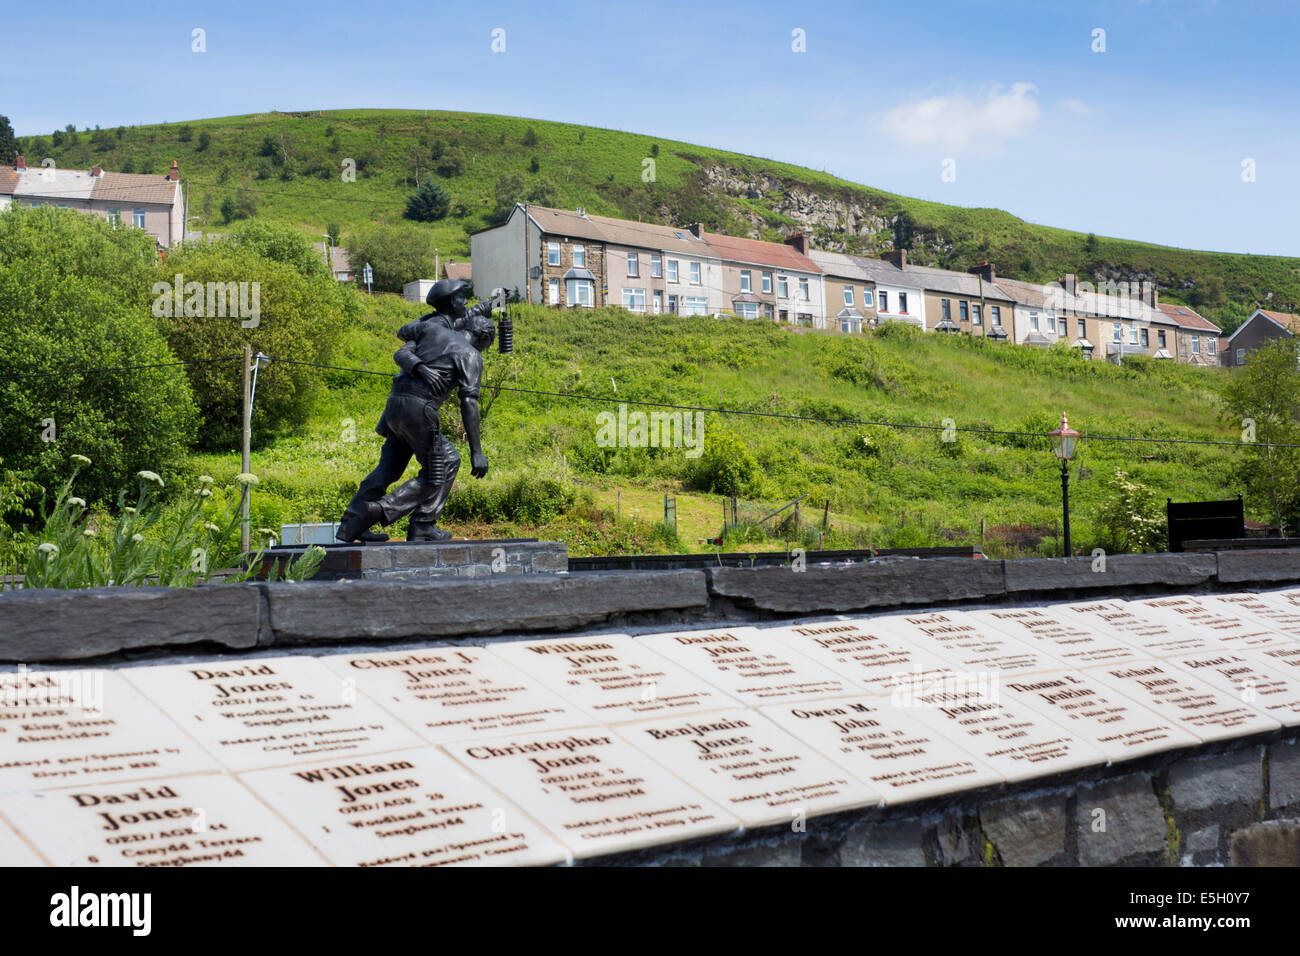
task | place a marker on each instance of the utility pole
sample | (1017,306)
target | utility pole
(247,451)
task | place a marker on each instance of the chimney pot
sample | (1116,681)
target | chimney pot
(97,170)
(19,162)
(174,174)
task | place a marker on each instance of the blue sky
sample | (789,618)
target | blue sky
(1145,140)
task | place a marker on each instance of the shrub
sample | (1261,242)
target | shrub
(725,467)
(1131,517)
(398,253)
(429,203)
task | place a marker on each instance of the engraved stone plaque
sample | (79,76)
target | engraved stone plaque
(879,660)
(749,765)
(592,790)
(967,642)
(1154,637)
(1225,626)
(1279,614)
(66,728)
(1242,675)
(749,664)
(455,693)
(1068,641)
(267,712)
(1113,723)
(408,808)
(201,820)
(883,745)
(1170,691)
(612,677)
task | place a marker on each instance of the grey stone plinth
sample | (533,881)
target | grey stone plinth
(448,607)
(851,587)
(48,625)
(1248,566)
(1110,571)
(400,560)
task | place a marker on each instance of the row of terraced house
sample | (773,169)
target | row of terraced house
(572,259)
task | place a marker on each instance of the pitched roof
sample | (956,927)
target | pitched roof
(8,180)
(775,254)
(339,261)
(1023,293)
(1283,320)
(623,232)
(839,264)
(79,184)
(884,272)
(1186,317)
(457,270)
(134,187)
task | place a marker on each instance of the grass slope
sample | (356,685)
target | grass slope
(291,164)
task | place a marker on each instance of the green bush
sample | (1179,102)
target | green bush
(725,466)
(398,253)
(429,203)
(73,301)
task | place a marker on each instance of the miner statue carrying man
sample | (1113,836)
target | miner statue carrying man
(442,352)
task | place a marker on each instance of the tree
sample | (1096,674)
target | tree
(1263,400)
(429,203)
(8,142)
(334,230)
(397,253)
(74,303)
(185,133)
(534,165)
(543,193)
(507,191)
(205,140)
(228,209)
(530,137)
(451,163)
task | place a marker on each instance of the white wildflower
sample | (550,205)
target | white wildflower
(77,502)
(206,479)
(81,460)
(152,476)
(137,538)
(211,527)
(246,478)
(48,548)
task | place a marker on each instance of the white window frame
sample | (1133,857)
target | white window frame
(634,300)
(1033,321)
(902,303)
(995,316)
(1196,345)
(868,301)
(138,217)
(1210,345)
(579,289)
(767,282)
(783,287)
(747,310)
(656,267)
(552,253)
(803,289)
(696,273)
(1132,335)
(746,283)
(672,270)
(695,305)
(633,265)
(579,256)
(1117,332)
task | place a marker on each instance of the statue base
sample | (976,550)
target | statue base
(398,560)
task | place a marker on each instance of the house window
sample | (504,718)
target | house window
(672,270)
(782,287)
(695,273)
(1160,337)
(767,310)
(902,303)
(803,289)
(767,282)
(1241,356)
(978,314)
(1196,345)
(866,297)
(1033,321)
(138,215)
(995,313)
(1083,329)
(804,318)
(963,311)
(658,301)
(1117,333)
(945,308)
(115,217)
(553,292)
(744,280)
(884,301)
(848,295)
(579,256)
(1132,335)
(1210,345)
(747,310)
(656,267)
(579,292)
(633,265)
(672,304)
(1062,328)
(634,300)
(848,324)
(1146,339)
(552,253)
(695,305)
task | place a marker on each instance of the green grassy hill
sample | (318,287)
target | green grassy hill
(885,487)
(288,166)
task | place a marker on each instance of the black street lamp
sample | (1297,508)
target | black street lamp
(1063,442)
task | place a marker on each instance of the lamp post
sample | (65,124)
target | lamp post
(1063,442)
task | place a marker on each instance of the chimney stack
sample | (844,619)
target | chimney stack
(799,241)
(174,174)
(897,256)
(19,163)
(97,170)
(696,230)
(984,270)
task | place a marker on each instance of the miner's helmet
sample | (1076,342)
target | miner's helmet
(444,289)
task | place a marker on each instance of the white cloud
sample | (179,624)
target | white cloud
(954,122)
(1078,107)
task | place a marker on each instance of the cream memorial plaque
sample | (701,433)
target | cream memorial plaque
(1225,627)
(455,693)
(749,664)
(409,808)
(879,660)
(750,766)
(1241,675)
(203,820)
(1164,687)
(1282,616)
(1116,725)
(612,677)
(72,727)
(592,790)
(970,644)
(271,711)
(1151,636)
(885,746)
(1070,642)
